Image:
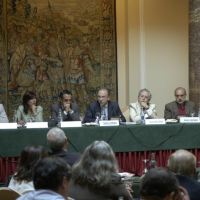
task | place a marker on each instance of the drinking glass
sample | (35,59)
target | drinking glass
(81,117)
(31,118)
(145,166)
(192,114)
(97,116)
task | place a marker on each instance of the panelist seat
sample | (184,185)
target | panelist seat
(8,194)
(125,112)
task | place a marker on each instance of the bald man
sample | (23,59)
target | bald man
(183,164)
(104,107)
(57,142)
(180,106)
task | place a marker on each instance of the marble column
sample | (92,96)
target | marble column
(194,51)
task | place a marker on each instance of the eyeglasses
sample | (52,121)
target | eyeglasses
(102,97)
(142,96)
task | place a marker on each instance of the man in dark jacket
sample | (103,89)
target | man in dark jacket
(57,142)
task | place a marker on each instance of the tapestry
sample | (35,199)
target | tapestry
(47,46)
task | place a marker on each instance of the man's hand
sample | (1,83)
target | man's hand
(144,105)
(67,108)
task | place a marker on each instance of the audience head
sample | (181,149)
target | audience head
(103,96)
(56,139)
(180,95)
(144,95)
(65,97)
(30,155)
(182,162)
(159,184)
(29,99)
(96,165)
(52,173)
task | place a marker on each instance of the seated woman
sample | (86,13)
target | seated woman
(95,175)
(149,109)
(29,111)
(3,116)
(22,181)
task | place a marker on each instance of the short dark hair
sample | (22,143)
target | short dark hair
(27,96)
(49,173)
(30,155)
(158,183)
(64,92)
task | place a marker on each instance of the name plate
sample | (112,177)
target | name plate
(71,124)
(109,123)
(189,120)
(37,125)
(154,121)
(8,125)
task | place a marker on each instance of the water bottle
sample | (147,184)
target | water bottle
(60,119)
(15,118)
(199,113)
(153,163)
(142,116)
(97,120)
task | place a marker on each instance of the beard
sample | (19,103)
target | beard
(181,102)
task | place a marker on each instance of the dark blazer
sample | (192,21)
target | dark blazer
(113,111)
(171,109)
(71,158)
(70,117)
(191,185)
(88,191)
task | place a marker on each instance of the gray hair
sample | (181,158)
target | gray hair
(56,139)
(178,89)
(182,162)
(96,165)
(145,90)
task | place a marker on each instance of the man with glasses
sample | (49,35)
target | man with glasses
(103,107)
(180,106)
(69,110)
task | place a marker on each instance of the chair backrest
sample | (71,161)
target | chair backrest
(8,194)
(125,112)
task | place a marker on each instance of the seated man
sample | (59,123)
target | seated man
(3,116)
(51,178)
(149,109)
(69,111)
(161,184)
(57,142)
(180,106)
(183,164)
(103,107)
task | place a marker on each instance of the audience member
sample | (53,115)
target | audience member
(180,106)
(51,178)
(3,116)
(149,109)
(183,164)
(161,184)
(57,142)
(104,107)
(95,175)
(69,110)
(22,181)
(29,111)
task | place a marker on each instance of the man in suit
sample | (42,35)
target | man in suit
(179,107)
(57,142)
(51,177)
(160,183)
(103,107)
(3,116)
(69,111)
(183,164)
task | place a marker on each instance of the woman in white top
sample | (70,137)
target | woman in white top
(21,181)
(149,109)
